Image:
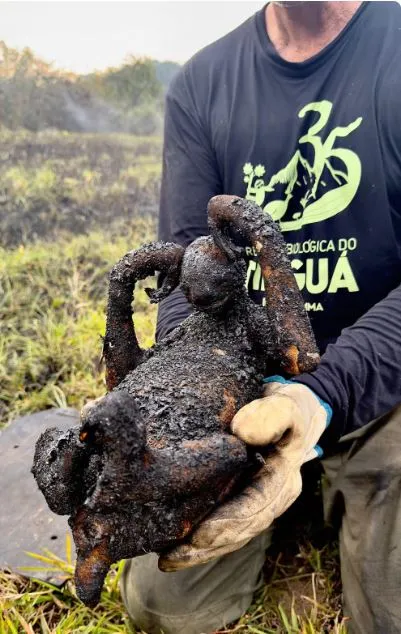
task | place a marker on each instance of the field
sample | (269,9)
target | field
(70,206)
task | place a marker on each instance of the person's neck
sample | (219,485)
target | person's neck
(299,30)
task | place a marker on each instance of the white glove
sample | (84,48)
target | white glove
(292,418)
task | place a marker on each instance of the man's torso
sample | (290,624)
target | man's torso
(317,146)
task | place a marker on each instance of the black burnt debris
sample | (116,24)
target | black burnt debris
(153,456)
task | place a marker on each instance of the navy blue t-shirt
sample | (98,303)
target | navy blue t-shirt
(317,145)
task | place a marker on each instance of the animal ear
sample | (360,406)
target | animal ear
(292,333)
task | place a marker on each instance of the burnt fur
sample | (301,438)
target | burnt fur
(155,455)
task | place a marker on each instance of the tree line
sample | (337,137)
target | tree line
(36,96)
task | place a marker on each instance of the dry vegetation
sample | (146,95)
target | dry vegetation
(70,206)
(54,183)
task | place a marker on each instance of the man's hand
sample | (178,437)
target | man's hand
(291,418)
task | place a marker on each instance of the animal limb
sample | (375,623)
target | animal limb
(293,337)
(121,349)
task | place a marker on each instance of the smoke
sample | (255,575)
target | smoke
(97,116)
(125,99)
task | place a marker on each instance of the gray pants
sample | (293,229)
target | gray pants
(363,495)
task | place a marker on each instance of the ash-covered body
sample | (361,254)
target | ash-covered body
(194,381)
(155,455)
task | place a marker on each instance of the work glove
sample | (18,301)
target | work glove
(288,421)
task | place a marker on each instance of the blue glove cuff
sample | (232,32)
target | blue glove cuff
(280,379)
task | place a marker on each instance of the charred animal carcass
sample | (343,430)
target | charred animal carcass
(153,456)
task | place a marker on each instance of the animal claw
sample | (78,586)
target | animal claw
(156,295)
(231,250)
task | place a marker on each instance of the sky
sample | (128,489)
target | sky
(87,36)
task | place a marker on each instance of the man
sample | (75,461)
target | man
(299,109)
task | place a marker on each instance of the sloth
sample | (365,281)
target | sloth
(155,455)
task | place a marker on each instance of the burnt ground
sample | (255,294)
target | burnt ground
(54,182)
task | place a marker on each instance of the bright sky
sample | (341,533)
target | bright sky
(83,36)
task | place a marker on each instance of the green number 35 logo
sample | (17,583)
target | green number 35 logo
(305,192)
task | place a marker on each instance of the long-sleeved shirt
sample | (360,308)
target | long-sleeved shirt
(317,145)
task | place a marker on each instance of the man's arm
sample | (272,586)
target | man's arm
(190,178)
(360,374)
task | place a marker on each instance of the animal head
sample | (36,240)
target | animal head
(209,279)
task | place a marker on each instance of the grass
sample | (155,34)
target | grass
(70,206)
(301,596)
(52,308)
(53,182)
(35,606)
